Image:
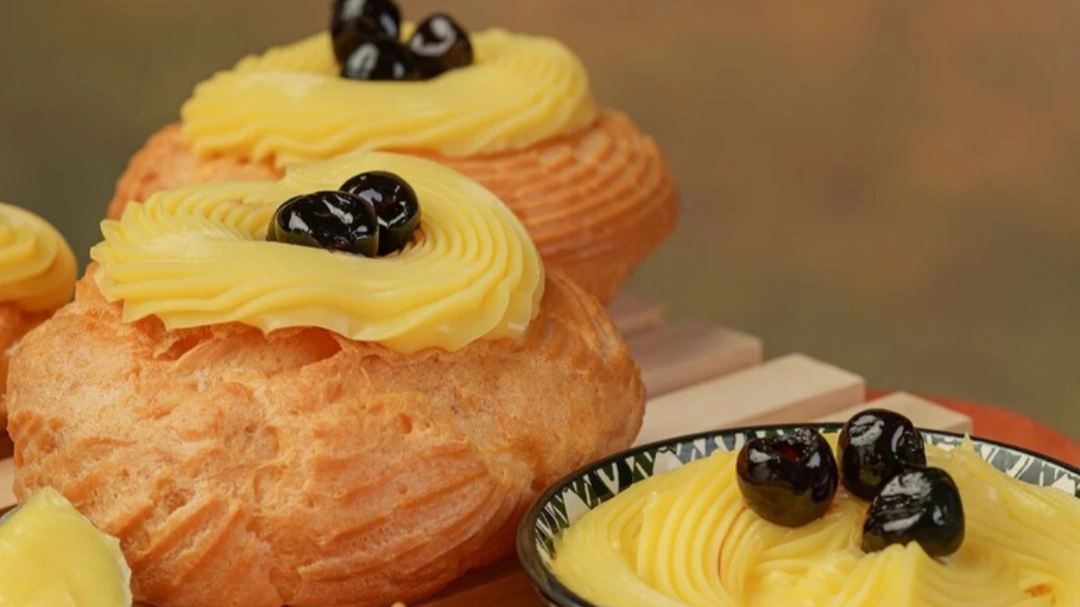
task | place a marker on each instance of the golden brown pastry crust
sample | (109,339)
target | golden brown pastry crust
(595,202)
(303,468)
(14,323)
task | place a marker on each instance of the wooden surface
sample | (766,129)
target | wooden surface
(788,389)
(672,357)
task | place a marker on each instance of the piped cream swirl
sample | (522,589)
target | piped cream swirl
(289,104)
(686,538)
(198,256)
(37,267)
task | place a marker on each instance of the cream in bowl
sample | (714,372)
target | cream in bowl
(671,524)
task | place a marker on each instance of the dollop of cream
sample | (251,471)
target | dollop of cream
(198,256)
(52,556)
(289,104)
(37,267)
(686,538)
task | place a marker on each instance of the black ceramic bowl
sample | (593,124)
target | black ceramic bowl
(588,487)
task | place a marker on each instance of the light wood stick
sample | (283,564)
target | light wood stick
(7,478)
(676,356)
(787,389)
(921,412)
(634,314)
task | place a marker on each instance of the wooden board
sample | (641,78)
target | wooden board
(698,377)
(684,354)
(7,477)
(786,389)
(921,412)
(634,314)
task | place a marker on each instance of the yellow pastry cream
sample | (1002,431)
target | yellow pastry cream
(198,256)
(52,556)
(37,267)
(686,538)
(289,104)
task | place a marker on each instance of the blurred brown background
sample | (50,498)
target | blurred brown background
(891,186)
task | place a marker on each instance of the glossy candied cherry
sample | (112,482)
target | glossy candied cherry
(327,220)
(788,479)
(395,203)
(354,21)
(440,44)
(379,59)
(873,447)
(920,505)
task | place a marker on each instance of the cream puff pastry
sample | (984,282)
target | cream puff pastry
(37,275)
(267,424)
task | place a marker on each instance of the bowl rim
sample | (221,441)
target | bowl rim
(553,591)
